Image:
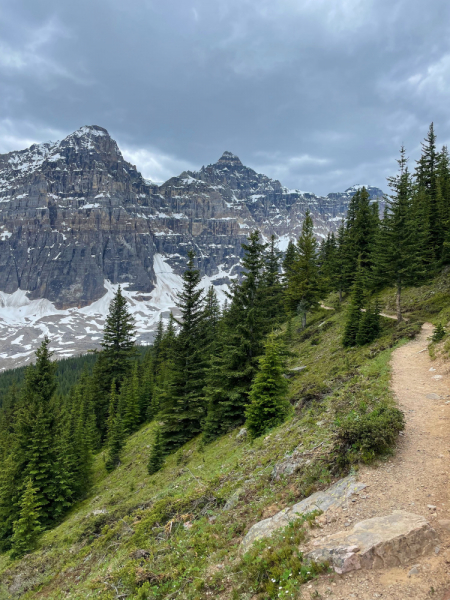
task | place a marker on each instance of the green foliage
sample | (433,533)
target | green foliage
(438,333)
(354,311)
(363,435)
(156,458)
(369,325)
(116,431)
(27,528)
(184,408)
(275,567)
(303,289)
(268,404)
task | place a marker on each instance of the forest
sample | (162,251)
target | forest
(212,368)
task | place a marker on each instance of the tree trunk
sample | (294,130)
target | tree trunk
(340,295)
(304,320)
(398,303)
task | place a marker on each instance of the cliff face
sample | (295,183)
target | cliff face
(76,219)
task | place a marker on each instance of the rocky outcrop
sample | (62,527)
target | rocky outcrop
(381,542)
(332,498)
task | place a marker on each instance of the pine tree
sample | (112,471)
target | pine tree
(156,458)
(146,388)
(369,325)
(116,434)
(303,291)
(289,258)
(274,293)
(243,328)
(354,311)
(130,391)
(268,405)
(27,528)
(427,181)
(186,408)
(116,358)
(398,250)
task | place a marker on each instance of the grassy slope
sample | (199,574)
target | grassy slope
(177,515)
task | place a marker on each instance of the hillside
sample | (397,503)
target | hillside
(180,529)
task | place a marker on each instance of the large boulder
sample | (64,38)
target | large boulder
(381,542)
(333,497)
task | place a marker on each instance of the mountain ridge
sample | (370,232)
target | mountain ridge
(77,220)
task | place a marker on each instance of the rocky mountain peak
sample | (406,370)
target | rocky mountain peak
(228,159)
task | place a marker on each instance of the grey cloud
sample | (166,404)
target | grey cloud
(320,93)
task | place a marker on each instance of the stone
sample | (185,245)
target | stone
(414,570)
(334,497)
(431,507)
(433,397)
(99,511)
(380,542)
(242,434)
(294,371)
(233,500)
(444,524)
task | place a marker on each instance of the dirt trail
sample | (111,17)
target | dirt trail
(415,479)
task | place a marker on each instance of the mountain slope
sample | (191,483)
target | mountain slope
(76,220)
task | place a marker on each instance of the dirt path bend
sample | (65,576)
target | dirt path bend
(415,479)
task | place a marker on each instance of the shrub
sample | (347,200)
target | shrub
(365,435)
(275,567)
(438,333)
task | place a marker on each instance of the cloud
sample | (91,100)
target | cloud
(320,93)
(154,165)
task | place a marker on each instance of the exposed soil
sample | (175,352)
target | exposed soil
(415,479)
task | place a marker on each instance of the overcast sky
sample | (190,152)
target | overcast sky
(317,93)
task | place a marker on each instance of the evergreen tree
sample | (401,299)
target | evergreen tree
(243,328)
(398,252)
(185,409)
(274,293)
(303,291)
(146,388)
(156,458)
(116,434)
(427,181)
(27,528)
(268,405)
(354,311)
(116,358)
(369,325)
(289,258)
(131,397)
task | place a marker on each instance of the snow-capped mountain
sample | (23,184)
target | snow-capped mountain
(76,220)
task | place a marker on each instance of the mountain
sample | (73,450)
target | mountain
(76,220)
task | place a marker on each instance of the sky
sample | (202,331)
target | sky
(319,94)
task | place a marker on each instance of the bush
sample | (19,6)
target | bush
(364,435)
(274,567)
(438,333)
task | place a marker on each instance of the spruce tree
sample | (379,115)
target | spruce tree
(354,311)
(273,288)
(156,458)
(116,434)
(130,391)
(369,325)
(303,290)
(185,409)
(268,405)
(27,528)
(398,250)
(243,327)
(116,358)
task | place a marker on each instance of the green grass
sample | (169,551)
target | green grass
(168,535)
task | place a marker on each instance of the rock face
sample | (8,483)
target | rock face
(381,542)
(333,497)
(76,219)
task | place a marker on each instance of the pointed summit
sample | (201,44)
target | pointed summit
(228,159)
